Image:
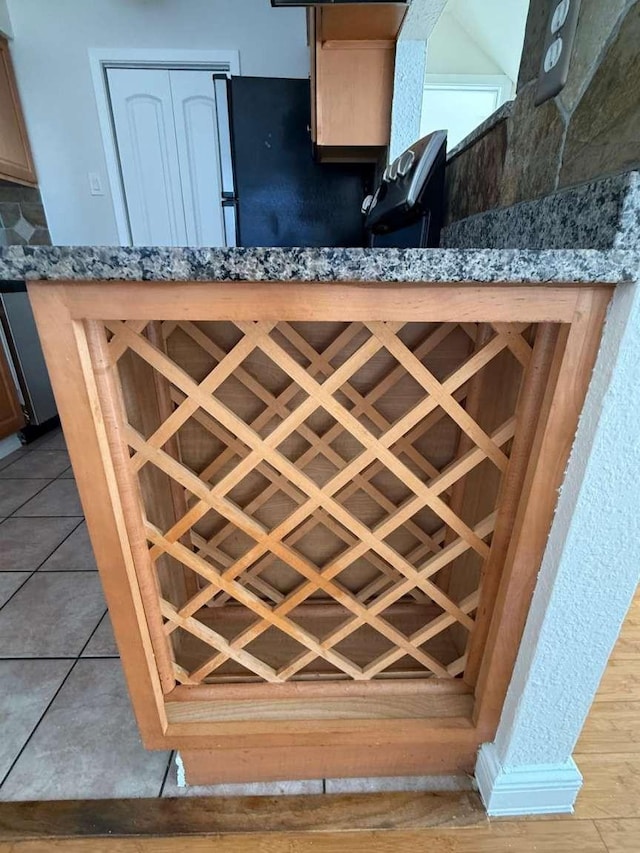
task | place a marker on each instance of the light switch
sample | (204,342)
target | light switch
(95,184)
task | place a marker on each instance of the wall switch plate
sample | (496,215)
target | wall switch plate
(558,44)
(95,184)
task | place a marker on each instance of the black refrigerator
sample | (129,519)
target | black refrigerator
(273,191)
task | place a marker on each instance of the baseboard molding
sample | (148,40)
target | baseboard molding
(9,444)
(534,789)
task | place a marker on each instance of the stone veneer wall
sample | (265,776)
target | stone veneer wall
(22,217)
(591,129)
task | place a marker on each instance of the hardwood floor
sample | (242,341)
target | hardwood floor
(607,817)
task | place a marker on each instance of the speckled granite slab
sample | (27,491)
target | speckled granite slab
(602,214)
(20,263)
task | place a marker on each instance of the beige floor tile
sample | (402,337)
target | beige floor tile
(87,746)
(14,493)
(26,688)
(58,498)
(9,583)
(10,458)
(52,615)
(25,543)
(102,644)
(75,554)
(40,464)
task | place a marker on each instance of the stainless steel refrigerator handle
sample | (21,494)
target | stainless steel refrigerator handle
(229,214)
(220,88)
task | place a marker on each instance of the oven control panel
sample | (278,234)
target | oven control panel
(403,194)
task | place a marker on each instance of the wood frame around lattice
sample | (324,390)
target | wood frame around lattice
(276,729)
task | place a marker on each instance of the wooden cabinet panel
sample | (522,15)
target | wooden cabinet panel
(15,156)
(360,22)
(354,90)
(352,65)
(11,417)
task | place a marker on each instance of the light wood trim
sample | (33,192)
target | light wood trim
(16,162)
(359,44)
(569,380)
(388,734)
(275,302)
(314,690)
(454,754)
(68,361)
(428,707)
(11,414)
(533,391)
(111,408)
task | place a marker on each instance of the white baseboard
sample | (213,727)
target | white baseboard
(535,789)
(9,444)
(181,778)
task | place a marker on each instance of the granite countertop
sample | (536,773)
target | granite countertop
(27,263)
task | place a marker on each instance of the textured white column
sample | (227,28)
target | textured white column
(408,88)
(589,574)
(408,83)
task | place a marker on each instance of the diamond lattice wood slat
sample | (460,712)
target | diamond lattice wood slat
(322,532)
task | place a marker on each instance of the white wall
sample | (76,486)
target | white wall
(5,22)
(497,27)
(451,50)
(50,54)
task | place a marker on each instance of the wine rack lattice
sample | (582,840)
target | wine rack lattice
(306,489)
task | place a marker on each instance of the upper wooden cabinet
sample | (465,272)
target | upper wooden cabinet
(15,155)
(352,64)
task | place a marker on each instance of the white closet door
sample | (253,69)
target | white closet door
(194,110)
(145,132)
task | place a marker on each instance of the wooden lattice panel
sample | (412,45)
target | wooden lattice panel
(319,498)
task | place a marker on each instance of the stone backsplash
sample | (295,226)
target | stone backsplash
(22,217)
(590,130)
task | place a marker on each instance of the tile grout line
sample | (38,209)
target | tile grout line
(35,494)
(62,657)
(53,699)
(166,773)
(41,564)
(31,517)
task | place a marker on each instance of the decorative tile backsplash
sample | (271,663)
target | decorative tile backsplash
(22,217)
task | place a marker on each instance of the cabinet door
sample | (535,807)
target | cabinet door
(11,416)
(354,82)
(145,132)
(15,156)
